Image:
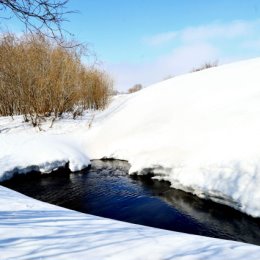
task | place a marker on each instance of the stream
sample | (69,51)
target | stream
(107,190)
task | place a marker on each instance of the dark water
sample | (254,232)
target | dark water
(106,190)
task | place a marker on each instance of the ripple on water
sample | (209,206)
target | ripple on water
(107,190)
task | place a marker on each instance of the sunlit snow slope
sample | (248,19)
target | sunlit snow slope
(33,230)
(200,131)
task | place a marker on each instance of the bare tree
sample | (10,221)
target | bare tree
(43,16)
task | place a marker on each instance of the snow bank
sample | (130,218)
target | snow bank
(31,229)
(199,131)
(25,152)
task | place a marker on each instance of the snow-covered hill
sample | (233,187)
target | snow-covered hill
(199,131)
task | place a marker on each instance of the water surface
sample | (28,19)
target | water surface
(107,190)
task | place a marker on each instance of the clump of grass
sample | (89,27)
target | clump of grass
(40,79)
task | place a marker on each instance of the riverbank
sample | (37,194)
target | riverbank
(199,131)
(107,190)
(30,229)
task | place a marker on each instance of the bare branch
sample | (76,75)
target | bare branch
(45,16)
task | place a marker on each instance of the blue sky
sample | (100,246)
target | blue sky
(145,41)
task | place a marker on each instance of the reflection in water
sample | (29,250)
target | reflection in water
(106,190)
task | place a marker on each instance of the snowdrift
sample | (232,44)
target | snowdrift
(199,131)
(21,153)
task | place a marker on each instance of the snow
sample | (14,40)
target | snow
(30,229)
(39,153)
(198,131)
(25,150)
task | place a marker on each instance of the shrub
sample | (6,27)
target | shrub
(135,88)
(40,79)
(206,65)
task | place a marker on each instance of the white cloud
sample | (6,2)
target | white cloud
(212,31)
(160,38)
(218,31)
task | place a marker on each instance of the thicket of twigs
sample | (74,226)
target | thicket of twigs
(206,65)
(135,88)
(40,79)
